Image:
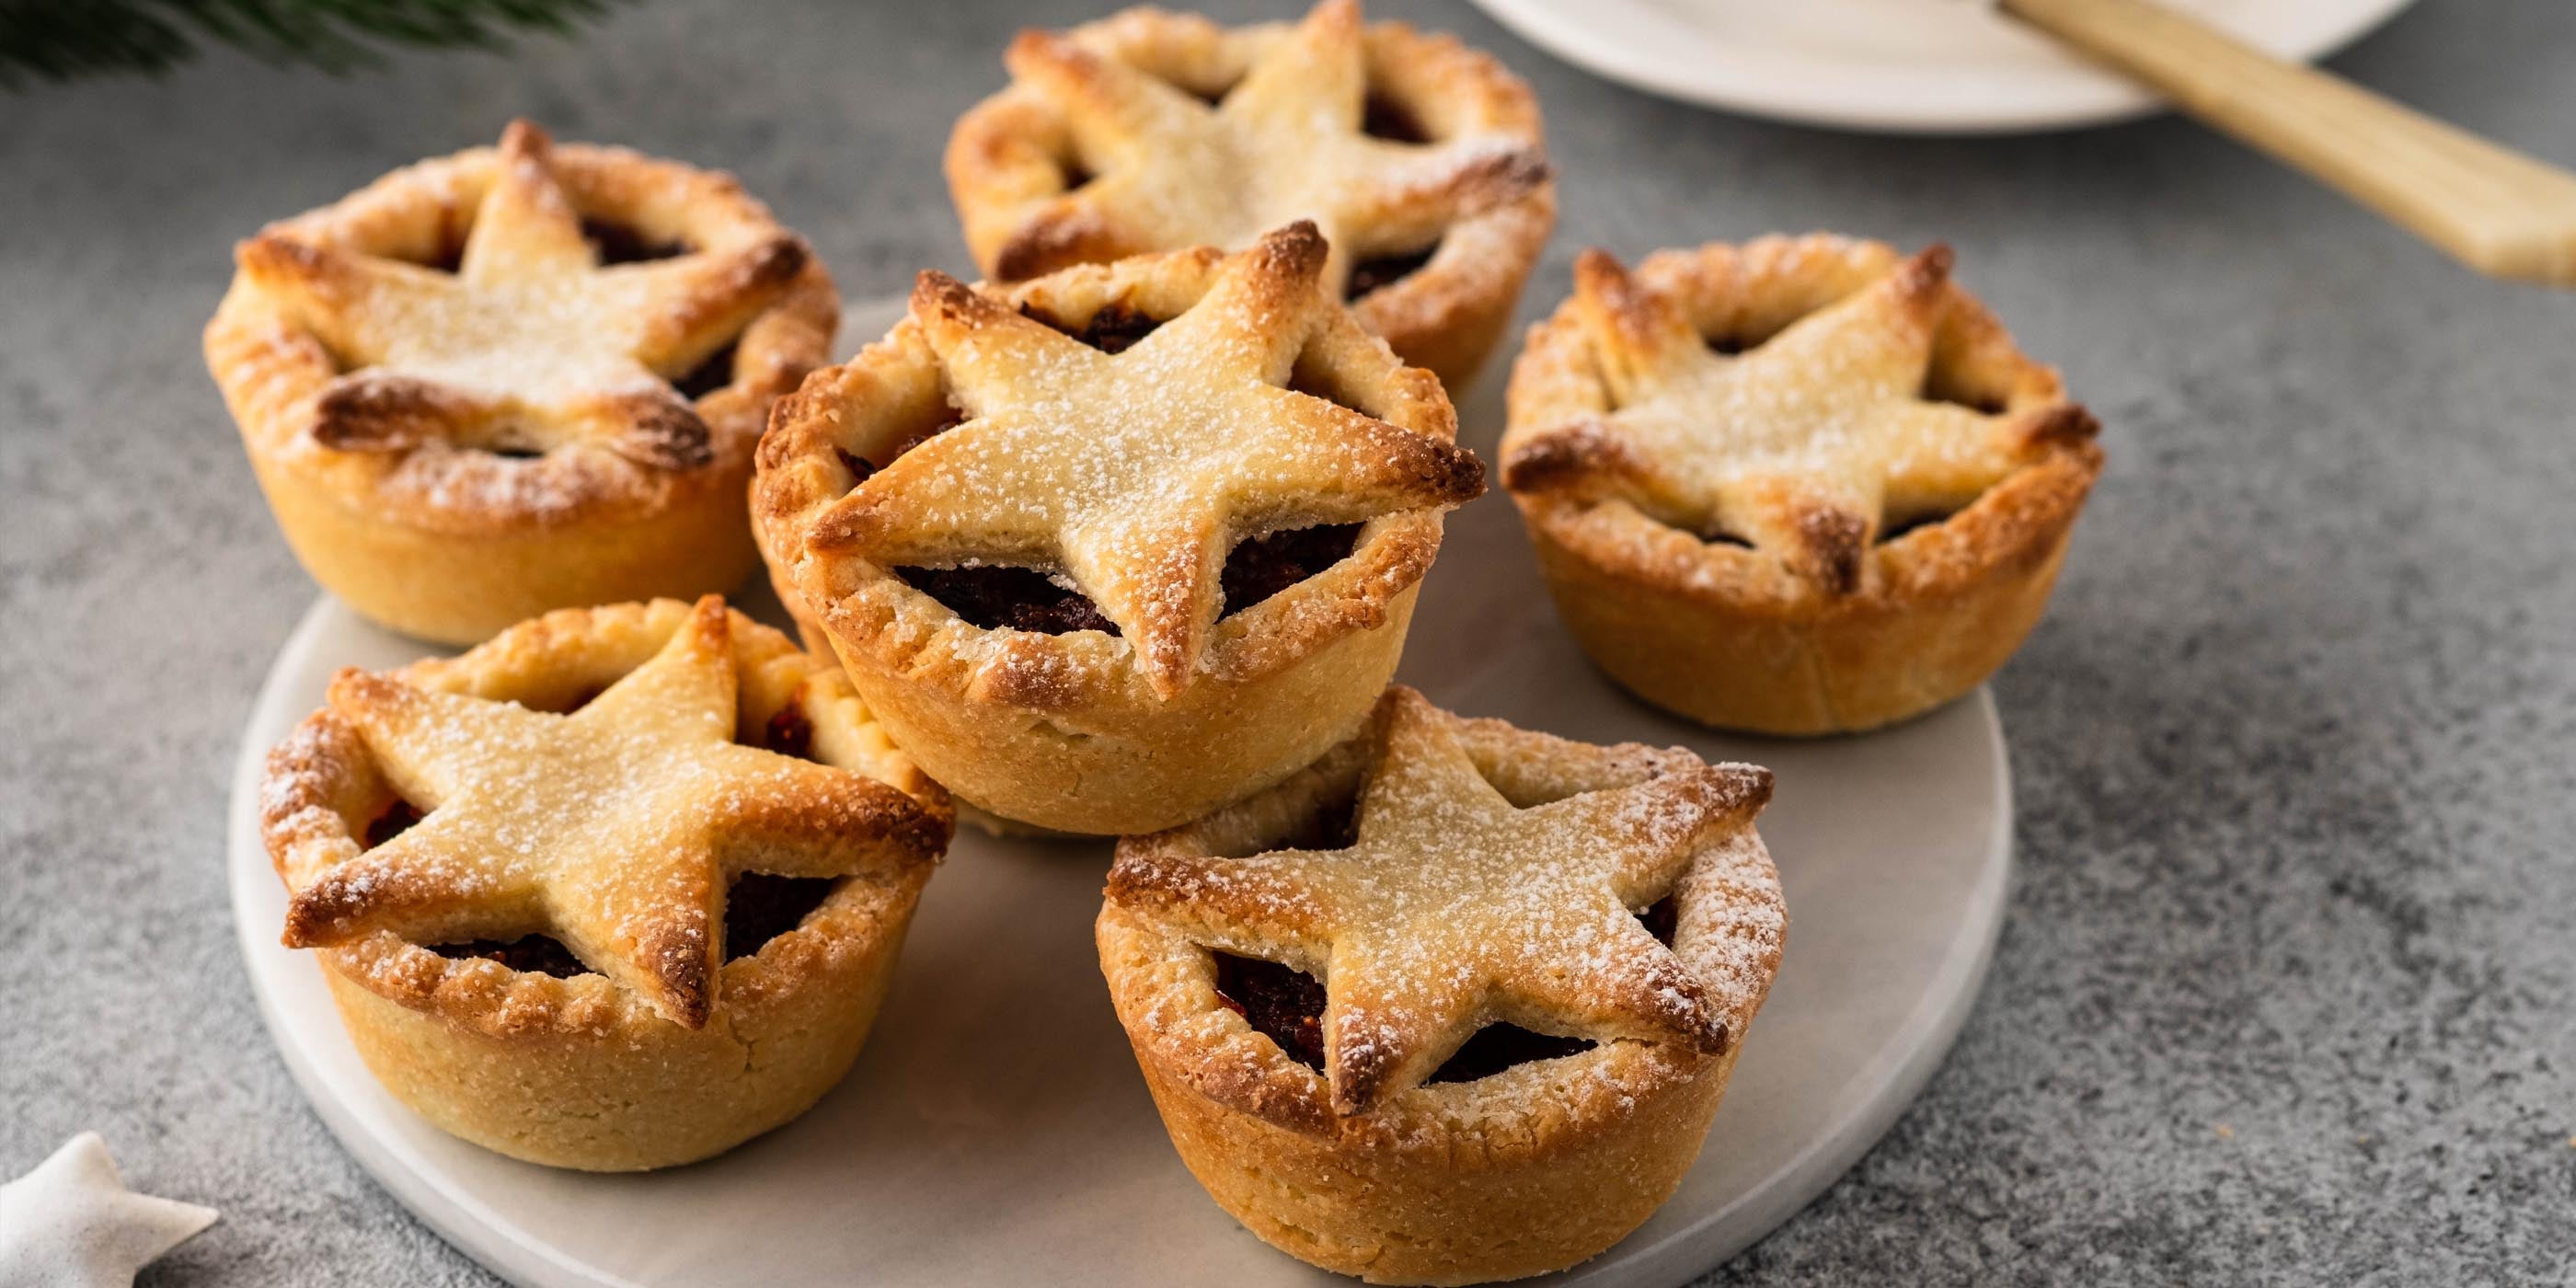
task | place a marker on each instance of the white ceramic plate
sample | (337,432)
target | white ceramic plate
(995,1130)
(1905,66)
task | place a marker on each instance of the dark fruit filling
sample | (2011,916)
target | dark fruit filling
(864,469)
(856,464)
(995,596)
(760,907)
(1384,118)
(396,820)
(1497,1047)
(617,243)
(1660,919)
(789,733)
(1281,1003)
(1890,532)
(537,954)
(1385,270)
(1114,329)
(1286,1005)
(708,376)
(1261,567)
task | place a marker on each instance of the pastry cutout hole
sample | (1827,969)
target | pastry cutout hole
(1727,345)
(1261,567)
(533,954)
(1380,272)
(1314,381)
(397,818)
(1286,1005)
(510,441)
(565,702)
(760,907)
(708,376)
(1942,383)
(619,243)
(1897,529)
(1381,117)
(1003,597)
(1281,1003)
(1661,918)
(1208,95)
(862,468)
(789,733)
(1718,536)
(1076,174)
(1114,328)
(1497,1047)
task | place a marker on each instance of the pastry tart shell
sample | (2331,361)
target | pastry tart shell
(576,1072)
(1526,1171)
(1064,733)
(450,544)
(1006,157)
(1728,637)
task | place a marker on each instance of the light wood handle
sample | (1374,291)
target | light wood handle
(2496,210)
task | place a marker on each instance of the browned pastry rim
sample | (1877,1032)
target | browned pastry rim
(1012,158)
(276,375)
(1137,701)
(1522,1171)
(1877,632)
(323,791)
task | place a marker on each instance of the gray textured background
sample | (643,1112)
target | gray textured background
(2285,990)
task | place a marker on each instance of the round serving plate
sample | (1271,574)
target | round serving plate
(995,1130)
(1900,66)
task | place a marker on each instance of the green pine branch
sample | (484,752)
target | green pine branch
(63,39)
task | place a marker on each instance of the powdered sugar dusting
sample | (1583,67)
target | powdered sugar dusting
(1454,907)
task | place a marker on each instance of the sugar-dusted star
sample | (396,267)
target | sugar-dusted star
(1453,906)
(1133,472)
(1804,445)
(1286,143)
(613,829)
(531,343)
(71,1223)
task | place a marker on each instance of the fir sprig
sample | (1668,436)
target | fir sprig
(63,39)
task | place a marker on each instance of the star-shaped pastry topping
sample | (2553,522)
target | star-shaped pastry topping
(1804,445)
(1454,907)
(1134,473)
(530,344)
(1285,143)
(71,1223)
(614,829)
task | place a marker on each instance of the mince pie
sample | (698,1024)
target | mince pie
(1797,486)
(517,379)
(1455,1003)
(1110,548)
(619,889)
(1420,159)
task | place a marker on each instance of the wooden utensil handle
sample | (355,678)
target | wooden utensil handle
(2496,210)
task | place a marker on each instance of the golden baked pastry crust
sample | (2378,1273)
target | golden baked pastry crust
(611,830)
(1186,133)
(1132,476)
(1490,875)
(454,451)
(1715,525)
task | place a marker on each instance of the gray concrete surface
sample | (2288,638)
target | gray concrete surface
(2285,994)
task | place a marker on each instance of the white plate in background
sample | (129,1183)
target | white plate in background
(1900,66)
